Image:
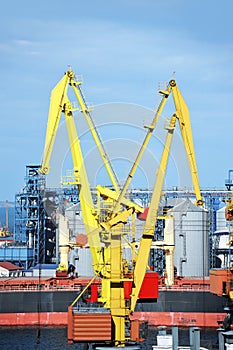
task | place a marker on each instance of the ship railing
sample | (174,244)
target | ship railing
(195,287)
(33,288)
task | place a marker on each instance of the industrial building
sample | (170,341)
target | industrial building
(37,210)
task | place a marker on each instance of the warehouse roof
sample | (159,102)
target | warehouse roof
(9,266)
(45,267)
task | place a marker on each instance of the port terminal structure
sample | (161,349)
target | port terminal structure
(36,207)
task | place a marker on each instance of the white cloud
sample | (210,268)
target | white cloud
(23,43)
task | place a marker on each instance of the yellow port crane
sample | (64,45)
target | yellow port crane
(106,226)
(59,103)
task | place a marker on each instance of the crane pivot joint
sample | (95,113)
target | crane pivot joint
(172,83)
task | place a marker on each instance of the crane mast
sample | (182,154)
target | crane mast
(106,225)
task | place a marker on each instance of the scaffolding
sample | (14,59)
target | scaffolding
(36,216)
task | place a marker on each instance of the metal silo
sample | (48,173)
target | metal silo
(220,219)
(191,224)
(80,257)
(75,220)
(83,262)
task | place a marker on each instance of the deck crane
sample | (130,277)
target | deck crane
(106,232)
(182,115)
(59,103)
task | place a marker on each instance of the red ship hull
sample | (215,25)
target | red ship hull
(189,303)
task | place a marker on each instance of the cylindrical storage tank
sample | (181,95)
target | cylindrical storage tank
(83,262)
(191,226)
(79,257)
(221,223)
(75,220)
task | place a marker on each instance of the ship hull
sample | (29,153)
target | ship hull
(49,308)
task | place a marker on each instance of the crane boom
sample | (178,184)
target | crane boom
(182,115)
(186,131)
(59,103)
(85,197)
(150,130)
(56,105)
(106,161)
(148,231)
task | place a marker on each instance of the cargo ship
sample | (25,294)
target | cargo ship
(33,301)
(39,300)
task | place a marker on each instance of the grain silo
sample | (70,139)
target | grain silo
(80,257)
(221,223)
(191,257)
(82,260)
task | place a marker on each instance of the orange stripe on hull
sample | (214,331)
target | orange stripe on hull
(34,319)
(183,319)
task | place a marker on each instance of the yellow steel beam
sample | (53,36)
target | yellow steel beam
(148,231)
(117,300)
(107,163)
(56,105)
(183,117)
(106,192)
(182,114)
(85,197)
(165,94)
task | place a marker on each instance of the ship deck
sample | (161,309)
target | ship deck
(70,284)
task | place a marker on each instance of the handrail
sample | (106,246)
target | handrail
(83,291)
(196,288)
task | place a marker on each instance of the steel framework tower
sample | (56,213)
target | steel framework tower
(33,226)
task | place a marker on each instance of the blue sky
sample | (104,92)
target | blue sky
(123,49)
